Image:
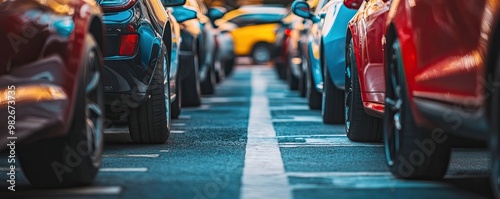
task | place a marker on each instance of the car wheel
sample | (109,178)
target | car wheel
(333,99)
(411,152)
(303,78)
(190,88)
(261,53)
(495,136)
(150,122)
(293,82)
(207,86)
(359,125)
(175,106)
(228,67)
(219,73)
(74,159)
(314,97)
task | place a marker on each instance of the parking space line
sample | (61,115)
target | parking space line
(184,117)
(335,174)
(130,155)
(263,172)
(178,124)
(164,151)
(143,169)
(301,119)
(172,131)
(94,190)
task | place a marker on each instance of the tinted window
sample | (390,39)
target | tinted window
(253,19)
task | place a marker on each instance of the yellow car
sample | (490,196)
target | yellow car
(253,29)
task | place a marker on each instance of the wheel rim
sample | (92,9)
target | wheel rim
(261,54)
(93,111)
(349,89)
(394,102)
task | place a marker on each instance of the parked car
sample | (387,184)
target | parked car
(280,55)
(364,81)
(175,54)
(245,22)
(442,72)
(137,67)
(224,41)
(325,60)
(52,103)
(207,48)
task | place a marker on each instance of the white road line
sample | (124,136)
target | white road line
(301,119)
(104,190)
(264,173)
(177,131)
(164,151)
(130,155)
(116,130)
(143,169)
(339,141)
(324,145)
(312,136)
(335,174)
(178,124)
(184,117)
(289,108)
(224,99)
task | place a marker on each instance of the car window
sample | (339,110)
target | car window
(253,19)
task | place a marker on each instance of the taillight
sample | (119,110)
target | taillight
(116,5)
(128,44)
(288,32)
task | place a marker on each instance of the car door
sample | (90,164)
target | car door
(448,49)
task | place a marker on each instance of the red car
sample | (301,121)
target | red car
(442,76)
(51,104)
(365,84)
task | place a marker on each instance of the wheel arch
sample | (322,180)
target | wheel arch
(96,29)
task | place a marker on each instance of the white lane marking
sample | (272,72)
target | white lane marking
(172,131)
(289,108)
(301,119)
(335,174)
(164,151)
(130,155)
(202,107)
(142,169)
(116,130)
(338,141)
(178,124)
(184,117)
(224,99)
(264,173)
(103,190)
(324,145)
(311,136)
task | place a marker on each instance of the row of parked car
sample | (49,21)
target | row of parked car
(70,69)
(410,73)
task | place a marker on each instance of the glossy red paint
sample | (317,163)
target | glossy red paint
(367,29)
(39,32)
(447,52)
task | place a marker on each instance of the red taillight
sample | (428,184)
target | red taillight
(288,32)
(353,4)
(128,44)
(116,5)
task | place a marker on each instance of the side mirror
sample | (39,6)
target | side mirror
(215,13)
(182,13)
(301,9)
(169,3)
(353,4)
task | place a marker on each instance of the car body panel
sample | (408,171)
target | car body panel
(449,78)
(367,29)
(43,47)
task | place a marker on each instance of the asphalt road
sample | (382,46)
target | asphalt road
(257,139)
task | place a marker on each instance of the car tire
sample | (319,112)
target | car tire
(293,82)
(332,109)
(412,152)
(261,53)
(74,159)
(150,122)
(303,78)
(314,97)
(207,87)
(359,126)
(495,136)
(228,67)
(175,106)
(190,87)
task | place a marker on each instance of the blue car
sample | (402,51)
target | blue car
(324,57)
